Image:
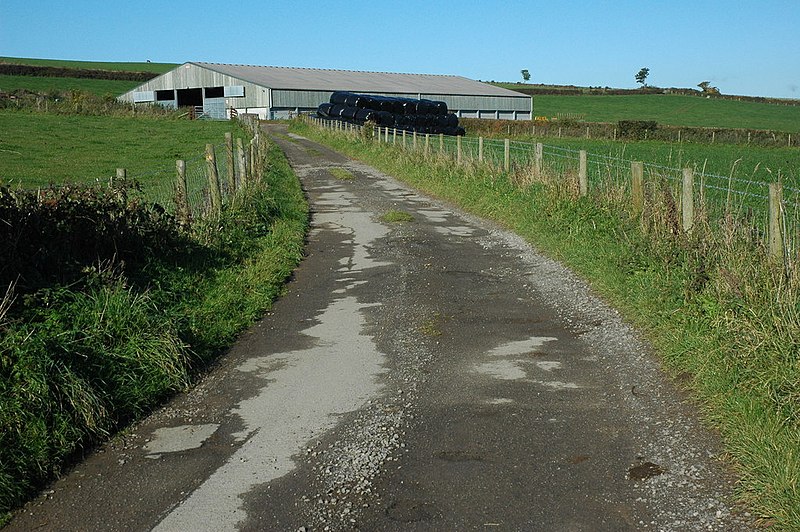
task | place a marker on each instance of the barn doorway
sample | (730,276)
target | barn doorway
(190,97)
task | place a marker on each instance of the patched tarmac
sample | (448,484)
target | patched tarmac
(434,374)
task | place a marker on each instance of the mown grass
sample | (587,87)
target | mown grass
(717,311)
(39,149)
(82,358)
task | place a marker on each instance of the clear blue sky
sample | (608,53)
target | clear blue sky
(743,47)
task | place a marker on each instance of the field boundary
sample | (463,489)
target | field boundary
(770,209)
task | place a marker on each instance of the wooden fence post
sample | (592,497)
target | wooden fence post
(253,161)
(404,139)
(441,142)
(583,175)
(120,177)
(637,186)
(480,149)
(181,194)
(687,200)
(506,155)
(242,162)
(776,221)
(427,143)
(229,161)
(538,160)
(414,141)
(213,180)
(394,136)
(458,149)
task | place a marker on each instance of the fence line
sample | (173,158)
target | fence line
(767,207)
(196,188)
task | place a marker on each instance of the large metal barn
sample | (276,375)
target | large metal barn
(218,90)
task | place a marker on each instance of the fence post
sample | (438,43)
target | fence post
(427,143)
(637,186)
(242,163)
(441,142)
(394,136)
(181,193)
(537,162)
(480,149)
(687,200)
(120,176)
(414,140)
(458,149)
(213,179)
(776,221)
(387,135)
(404,139)
(506,154)
(229,161)
(253,161)
(583,175)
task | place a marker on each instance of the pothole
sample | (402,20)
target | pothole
(645,471)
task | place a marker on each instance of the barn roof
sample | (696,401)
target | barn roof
(352,80)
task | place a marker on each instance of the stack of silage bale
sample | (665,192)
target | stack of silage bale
(407,114)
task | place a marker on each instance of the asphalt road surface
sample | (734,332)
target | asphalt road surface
(434,374)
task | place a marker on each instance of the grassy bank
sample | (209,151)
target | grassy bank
(130,311)
(719,313)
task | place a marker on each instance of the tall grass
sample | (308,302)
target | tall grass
(719,311)
(81,357)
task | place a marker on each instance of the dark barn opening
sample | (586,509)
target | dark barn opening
(165,95)
(215,92)
(190,97)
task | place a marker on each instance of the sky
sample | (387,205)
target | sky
(742,47)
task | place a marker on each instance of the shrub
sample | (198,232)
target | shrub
(636,129)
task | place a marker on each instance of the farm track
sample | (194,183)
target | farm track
(433,374)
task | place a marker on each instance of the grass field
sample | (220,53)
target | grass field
(158,68)
(674,110)
(751,163)
(100,87)
(37,149)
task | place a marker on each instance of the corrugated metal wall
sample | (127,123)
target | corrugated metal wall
(280,103)
(190,76)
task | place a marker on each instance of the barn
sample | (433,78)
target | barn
(216,90)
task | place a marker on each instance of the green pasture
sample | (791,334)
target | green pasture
(38,149)
(100,87)
(673,109)
(752,163)
(158,68)
(742,162)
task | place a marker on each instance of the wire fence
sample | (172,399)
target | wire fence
(159,185)
(194,188)
(770,209)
